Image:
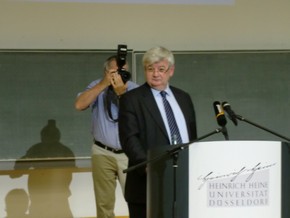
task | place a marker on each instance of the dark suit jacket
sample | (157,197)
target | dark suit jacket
(141,127)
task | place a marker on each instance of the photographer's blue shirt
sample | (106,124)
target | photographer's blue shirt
(104,128)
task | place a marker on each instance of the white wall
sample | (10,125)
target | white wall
(247,24)
(81,201)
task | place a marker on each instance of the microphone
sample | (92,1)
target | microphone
(220,117)
(227,107)
(219,113)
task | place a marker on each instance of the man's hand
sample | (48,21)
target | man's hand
(118,84)
(107,79)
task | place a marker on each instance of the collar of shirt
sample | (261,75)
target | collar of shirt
(157,92)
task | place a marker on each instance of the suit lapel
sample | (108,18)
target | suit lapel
(180,100)
(151,105)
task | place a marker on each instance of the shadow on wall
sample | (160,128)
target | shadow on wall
(16,203)
(48,176)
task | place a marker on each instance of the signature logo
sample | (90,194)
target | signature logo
(235,174)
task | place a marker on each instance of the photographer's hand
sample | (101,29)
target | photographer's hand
(118,84)
(107,79)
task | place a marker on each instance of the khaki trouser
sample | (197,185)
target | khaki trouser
(107,168)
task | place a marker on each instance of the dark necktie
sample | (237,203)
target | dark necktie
(174,131)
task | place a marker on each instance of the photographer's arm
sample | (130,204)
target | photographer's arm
(85,99)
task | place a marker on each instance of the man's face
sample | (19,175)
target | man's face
(158,74)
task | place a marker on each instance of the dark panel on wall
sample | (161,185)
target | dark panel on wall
(38,90)
(255,83)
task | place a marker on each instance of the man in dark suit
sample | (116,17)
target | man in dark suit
(143,122)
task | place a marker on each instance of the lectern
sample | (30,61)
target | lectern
(222,179)
(160,184)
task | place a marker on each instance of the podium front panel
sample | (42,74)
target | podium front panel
(235,179)
(161,202)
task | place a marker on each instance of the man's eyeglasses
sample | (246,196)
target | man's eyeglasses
(161,70)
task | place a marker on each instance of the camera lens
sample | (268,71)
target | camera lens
(125,75)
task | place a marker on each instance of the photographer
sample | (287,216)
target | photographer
(108,158)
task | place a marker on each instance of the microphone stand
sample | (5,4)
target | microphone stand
(174,152)
(171,151)
(239,117)
(225,132)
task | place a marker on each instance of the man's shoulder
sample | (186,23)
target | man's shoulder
(177,90)
(132,85)
(136,93)
(138,89)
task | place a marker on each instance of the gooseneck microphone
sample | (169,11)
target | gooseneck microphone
(227,107)
(219,113)
(235,117)
(220,117)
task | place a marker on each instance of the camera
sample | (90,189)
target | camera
(121,61)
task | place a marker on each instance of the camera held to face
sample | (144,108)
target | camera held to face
(121,61)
